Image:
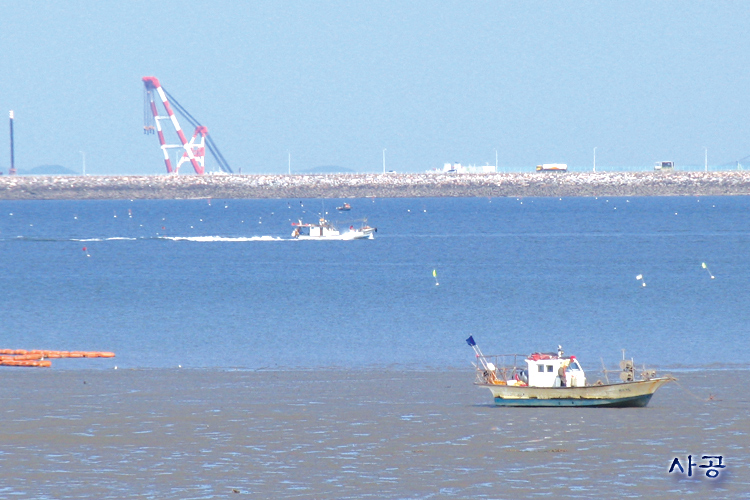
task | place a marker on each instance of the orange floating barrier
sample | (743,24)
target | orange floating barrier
(29,363)
(28,357)
(36,357)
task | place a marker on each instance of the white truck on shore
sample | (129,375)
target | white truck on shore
(664,165)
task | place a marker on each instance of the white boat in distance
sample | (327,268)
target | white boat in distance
(324,230)
(552,379)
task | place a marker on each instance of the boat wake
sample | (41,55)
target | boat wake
(199,239)
(203,239)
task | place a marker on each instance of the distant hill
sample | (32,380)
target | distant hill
(329,169)
(47,170)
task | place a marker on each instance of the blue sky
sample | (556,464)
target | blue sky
(335,83)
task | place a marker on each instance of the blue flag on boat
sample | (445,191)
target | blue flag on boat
(470,341)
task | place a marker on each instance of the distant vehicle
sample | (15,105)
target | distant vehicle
(457,168)
(664,165)
(552,167)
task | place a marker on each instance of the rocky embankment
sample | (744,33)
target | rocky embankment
(380,185)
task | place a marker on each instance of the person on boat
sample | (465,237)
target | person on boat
(561,374)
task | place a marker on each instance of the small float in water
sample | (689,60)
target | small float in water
(324,230)
(553,379)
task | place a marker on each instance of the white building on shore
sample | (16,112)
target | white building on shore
(457,168)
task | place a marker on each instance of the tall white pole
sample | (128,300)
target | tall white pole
(290,162)
(384,161)
(12,170)
(83,153)
(594,159)
(705,165)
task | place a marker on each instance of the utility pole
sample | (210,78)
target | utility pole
(594,159)
(12,170)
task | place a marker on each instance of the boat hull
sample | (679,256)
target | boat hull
(348,235)
(624,395)
(359,234)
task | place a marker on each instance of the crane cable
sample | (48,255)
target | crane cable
(211,146)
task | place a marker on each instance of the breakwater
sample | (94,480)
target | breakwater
(391,185)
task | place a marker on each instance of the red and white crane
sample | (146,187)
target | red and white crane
(194,152)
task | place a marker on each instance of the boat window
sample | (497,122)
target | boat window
(541,368)
(549,368)
(574,366)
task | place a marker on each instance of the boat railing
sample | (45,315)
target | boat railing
(499,368)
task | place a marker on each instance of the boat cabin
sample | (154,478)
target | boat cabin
(322,230)
(542,370)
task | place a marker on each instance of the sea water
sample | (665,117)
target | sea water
(221,283)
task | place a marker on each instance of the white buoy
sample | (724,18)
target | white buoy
(703,264)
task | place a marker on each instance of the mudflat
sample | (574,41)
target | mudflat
(176,433)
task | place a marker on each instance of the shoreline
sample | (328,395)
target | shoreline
(422,185)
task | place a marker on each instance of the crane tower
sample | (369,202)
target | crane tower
(194,152)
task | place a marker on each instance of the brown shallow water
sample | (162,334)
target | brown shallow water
(342,434)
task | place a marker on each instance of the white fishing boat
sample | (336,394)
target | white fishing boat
(553,379)
(324,230)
